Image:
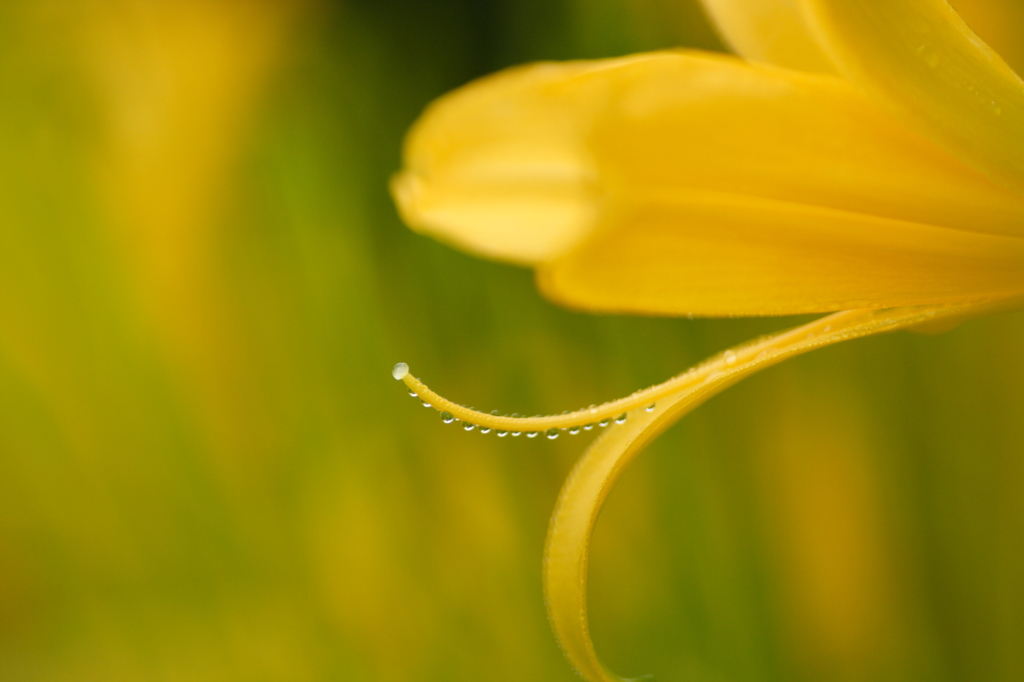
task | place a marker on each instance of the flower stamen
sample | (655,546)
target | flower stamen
(764,351)
(567,547)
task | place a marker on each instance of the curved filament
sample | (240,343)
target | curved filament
(692,378)
(568,541)
(760,353)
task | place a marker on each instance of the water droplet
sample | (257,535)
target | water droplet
(413,393)
(604,422)
(516,433)
(621,419)
(588,427)
(467,426)
(447,417)
(551,434)
(425,403)
(650,408)
(532,434)
(399,371)
(729,357)
(573,430)
(501,434)
(485,429)
(930,54)
(827,328)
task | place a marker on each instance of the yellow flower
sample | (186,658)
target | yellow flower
(869,159)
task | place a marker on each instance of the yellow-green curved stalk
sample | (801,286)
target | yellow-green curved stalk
(581,498)
(708,372)
(651,411)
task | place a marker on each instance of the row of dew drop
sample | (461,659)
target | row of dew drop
(550,434)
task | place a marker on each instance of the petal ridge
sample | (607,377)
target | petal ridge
(922,60)
(713,254)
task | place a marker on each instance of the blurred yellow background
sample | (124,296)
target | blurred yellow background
(207,473)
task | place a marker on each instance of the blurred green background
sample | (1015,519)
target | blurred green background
(207,473)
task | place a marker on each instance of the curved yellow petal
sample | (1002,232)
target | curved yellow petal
(522,166)
(923,60)
(772,31)
(713,254)
(579,503)
(698,121)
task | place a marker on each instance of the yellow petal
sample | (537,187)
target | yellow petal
(773,31)
(521,166)
(714,254)
(698,121)
(998,23)
(923,60)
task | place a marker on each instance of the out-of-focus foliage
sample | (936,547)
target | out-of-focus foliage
(206,472)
